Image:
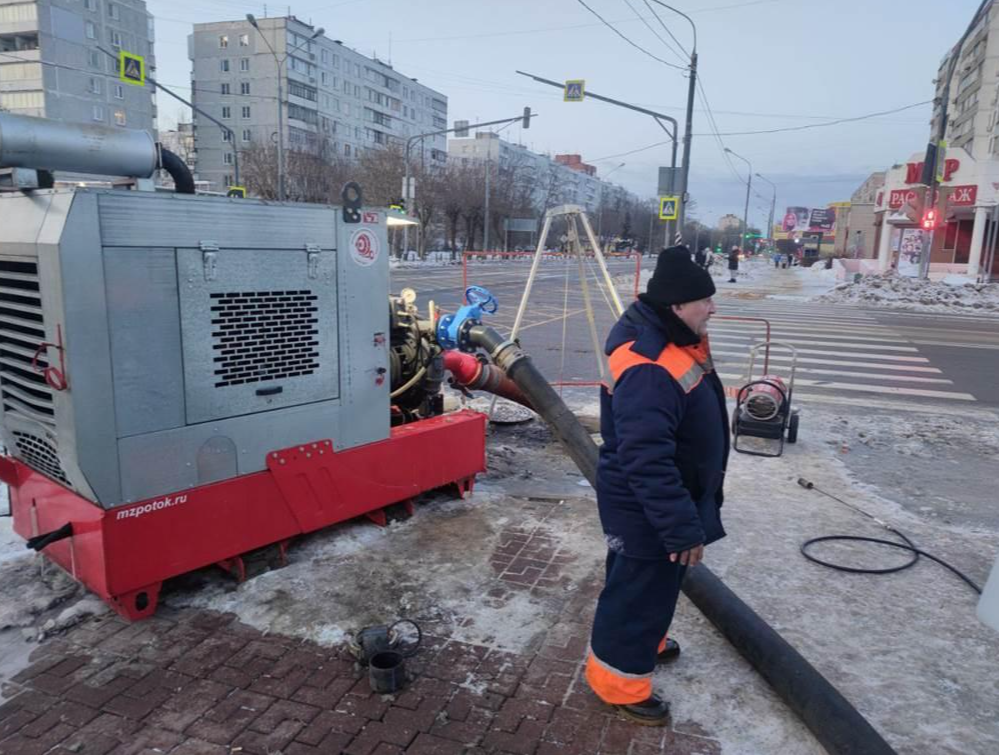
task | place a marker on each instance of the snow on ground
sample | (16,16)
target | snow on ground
(906,648)
(954,294)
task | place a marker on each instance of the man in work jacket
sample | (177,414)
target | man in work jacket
(659,480)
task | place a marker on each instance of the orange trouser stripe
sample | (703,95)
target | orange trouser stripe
(615,688)
(662,645)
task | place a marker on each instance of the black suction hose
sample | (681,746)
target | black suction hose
(544,400)
(836,724)
(183,181)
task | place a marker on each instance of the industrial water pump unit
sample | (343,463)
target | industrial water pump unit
(185,379)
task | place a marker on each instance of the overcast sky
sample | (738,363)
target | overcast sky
(764,64)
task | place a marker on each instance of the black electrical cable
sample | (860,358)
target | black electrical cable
(907,546)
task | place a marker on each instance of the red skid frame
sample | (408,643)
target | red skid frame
(124,554)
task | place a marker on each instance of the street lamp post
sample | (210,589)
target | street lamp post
(773,206)
(749,185)
(280,62)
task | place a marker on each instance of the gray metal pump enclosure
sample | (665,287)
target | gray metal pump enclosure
(197,334)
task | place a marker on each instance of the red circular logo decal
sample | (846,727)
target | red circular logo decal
(364,247)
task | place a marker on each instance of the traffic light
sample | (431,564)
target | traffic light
(527,118)
(929,220)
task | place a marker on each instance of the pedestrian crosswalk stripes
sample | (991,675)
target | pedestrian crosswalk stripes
(841,351)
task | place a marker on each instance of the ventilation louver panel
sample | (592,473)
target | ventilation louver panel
(40,455)
(260,336)
(23,390)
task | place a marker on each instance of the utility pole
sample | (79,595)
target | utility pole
(773,206)
(687,138)
(749,185)
(485,230)
(688,134)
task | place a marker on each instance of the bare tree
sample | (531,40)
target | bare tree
(311,175)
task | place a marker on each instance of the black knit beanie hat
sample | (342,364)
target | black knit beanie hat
(678,279)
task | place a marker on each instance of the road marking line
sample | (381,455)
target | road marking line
(831,362)
(888,389)
(871,403)
(959,345)
(837,353)
(796,341)
(726,327)
(875,376)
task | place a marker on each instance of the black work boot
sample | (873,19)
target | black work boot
(651,712)
(669,653)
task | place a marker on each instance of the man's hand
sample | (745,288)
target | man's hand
(690,557)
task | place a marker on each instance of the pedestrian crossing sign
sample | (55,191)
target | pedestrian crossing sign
(132,68)
(669,208)
(575,90)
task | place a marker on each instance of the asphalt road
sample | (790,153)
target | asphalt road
(845,353)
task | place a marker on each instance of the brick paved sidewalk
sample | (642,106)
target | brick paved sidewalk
(191,682)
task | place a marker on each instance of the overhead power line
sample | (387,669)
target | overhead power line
(638,47)
(822,125)
(631,152)
(663,24)
(651,28)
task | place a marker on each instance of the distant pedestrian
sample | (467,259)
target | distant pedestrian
(733,263)
(701,258)
(776,260)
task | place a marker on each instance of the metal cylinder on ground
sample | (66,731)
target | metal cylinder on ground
(764,398)
(41,143)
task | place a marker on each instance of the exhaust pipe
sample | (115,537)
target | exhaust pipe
(41,143)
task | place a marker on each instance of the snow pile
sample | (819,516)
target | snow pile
(898,292)
(434,259)
(818,272)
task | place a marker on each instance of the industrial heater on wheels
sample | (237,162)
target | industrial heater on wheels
(186,379)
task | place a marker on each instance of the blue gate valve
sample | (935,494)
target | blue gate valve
(450,327)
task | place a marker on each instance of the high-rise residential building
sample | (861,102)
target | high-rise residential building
(967,187)
(730,222)
(50,64)
(332,96)
(564,179)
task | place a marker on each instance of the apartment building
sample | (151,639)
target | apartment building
(564,179)
(969,172)
(50,64)
(333,98)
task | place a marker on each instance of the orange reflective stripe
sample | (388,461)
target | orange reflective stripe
(616,687)
(677,361)
(622,358)
(662,645)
